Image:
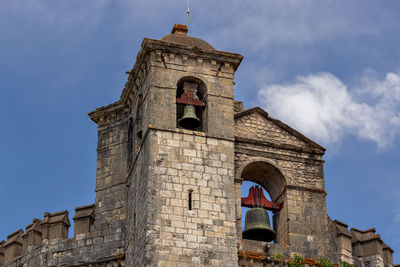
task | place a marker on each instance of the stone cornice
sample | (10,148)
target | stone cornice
(104,111)
(151,45)
(233,58)
(278,146)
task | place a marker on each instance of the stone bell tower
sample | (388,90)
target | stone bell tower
(181,192)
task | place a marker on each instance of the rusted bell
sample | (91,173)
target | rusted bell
(189,119)
(257,226)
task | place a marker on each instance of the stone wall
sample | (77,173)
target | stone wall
(183,164)
(138,208)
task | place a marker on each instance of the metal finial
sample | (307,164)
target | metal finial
(188,13)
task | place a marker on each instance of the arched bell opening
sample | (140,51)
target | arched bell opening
(191,94)
(261,186)
(256,221)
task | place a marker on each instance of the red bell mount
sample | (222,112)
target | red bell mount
(256,198)
(189,96)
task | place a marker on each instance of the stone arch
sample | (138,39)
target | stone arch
(267,173)
(199,88)
(264,172)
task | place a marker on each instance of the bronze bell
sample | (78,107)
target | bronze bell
(257,226)
(189,119)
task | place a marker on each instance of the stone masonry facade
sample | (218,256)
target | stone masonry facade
(167,195)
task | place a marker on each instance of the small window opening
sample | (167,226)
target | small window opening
(139,118)
(190,200)
(130,141)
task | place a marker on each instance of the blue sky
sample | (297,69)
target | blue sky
(330,69)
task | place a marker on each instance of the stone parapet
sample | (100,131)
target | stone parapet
(55,225)
(83,219)
(13,246)
(46,243)
(387,255)
(263,254)
(343,240)
(366,242)
(32,235)
(369,249)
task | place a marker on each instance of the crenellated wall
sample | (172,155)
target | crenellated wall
(362,247)
(45,242)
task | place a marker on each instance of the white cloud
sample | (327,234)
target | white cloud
(323,107)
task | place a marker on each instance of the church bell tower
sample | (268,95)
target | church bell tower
(181,192)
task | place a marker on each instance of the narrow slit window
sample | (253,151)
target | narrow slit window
(190,200)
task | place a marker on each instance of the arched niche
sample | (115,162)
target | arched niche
(267,174)
(264,173)
(200,93)
(201,86)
